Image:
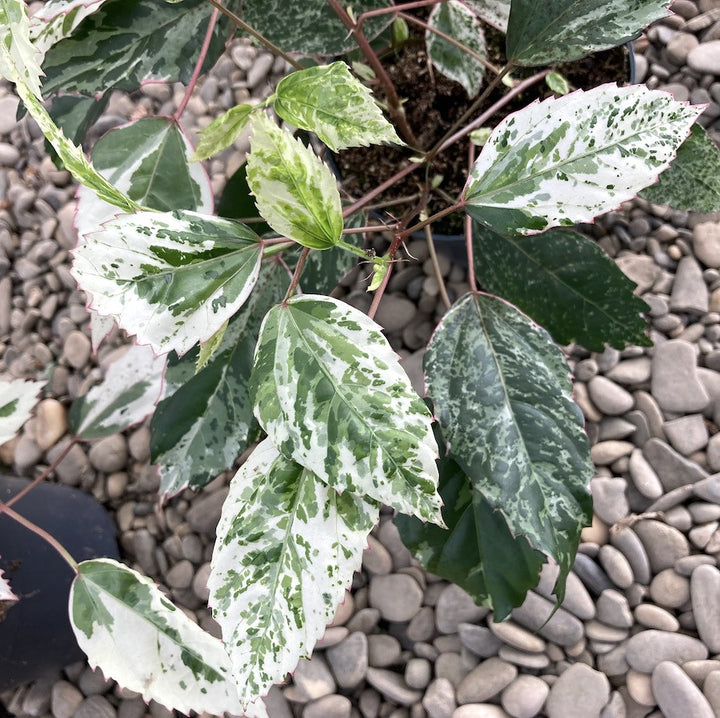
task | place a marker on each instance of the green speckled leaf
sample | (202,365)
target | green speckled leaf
(494,12)
(542,33)
(201,427)
(128,42)
(286,548)
(693,180)
(19,52)
(128,394)
(309,27)
(136,636)
(568,159)
(172,279)
(566,283)
(331,394)
(330,102)
(17,400)
(455,20)
(477,551)
(502,394)
(57,19)
(222,131)
(294,190)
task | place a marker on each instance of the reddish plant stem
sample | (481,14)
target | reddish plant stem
(434,218)
(365,199)
(396,9)
(482,60)
(468,230)
(198,65)
(393,101)
(520,87)
(39,479)
(254,33)
(296,276)
(4,508)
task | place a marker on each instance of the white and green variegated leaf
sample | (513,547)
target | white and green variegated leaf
(331,394)
(57,19)
(149,160)
(18,49)
(128,42)
(494,12)
(223,131)
(568,159)
(338,108)
(287,545)
(295,192)
(206,419)
(131,388)
(542,33)
(17,400)
(455,20)
(6,592)
(503,398)
(136,636)
(693,180)
(12,48)
(172,279)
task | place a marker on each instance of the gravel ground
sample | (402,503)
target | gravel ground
(639,631)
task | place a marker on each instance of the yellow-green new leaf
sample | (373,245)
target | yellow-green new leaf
(295,192)
(223,131)
(287,545)
(136,636)
(331,394)
(338,108)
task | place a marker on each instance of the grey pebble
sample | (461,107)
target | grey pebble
(629,543)
(609,397)
(486,681)
(536,614)
(204,514)
(651,616)
(95,707)
(516,636)
(532,661)
(525,696)
(663,544)
(333,706)
(479,639)
(422,625)
(647,649)
(383,650)
(643,475)
(675,384)
(609,500)
(669,589)
(689,292)
(631,371)
(593,577)
(479,710)
(439,699)
(397,596)
(579,692)
(577,600)
(677,695)
(705,58)
(109,454)
(65,698)
(8,110)
(392,686)
(605,453)
(616,566)
(687,434)
(613,609)
(313,679)
(705,596)
(673,469)
(376,558)
(456,606)
(418,673)
(708,488)
(77,349)
(711,690)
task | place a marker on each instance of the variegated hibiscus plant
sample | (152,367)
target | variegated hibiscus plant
(239,342)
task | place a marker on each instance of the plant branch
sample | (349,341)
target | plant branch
(393,101)
(370,228)
(441,144)
(396,9)
(520,87)
(39,479)
(436,267)
(438,215)
(198,65)
(448,38)
(296,276)
(365,199)
(468,230)
(254,33)
(4,508)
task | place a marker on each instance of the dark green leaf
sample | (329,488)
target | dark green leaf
(310,26)
(541,33)
(203,425)
(693,180)
(502,394)
(566,283)
(477,551)
(128,42)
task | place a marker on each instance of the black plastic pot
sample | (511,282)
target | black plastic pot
(35,635)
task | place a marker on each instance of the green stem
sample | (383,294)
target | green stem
(393,101)
(198,65)
(270,248)
(448,38)
(353,249)
(4,508)
(254,33)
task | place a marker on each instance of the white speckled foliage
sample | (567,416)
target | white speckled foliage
(57,19)
(128,628)
(330,102)
(295,192)
(172,279)
(17,399)
(331,394)
(502,395)
(566,160)
(495,12)
(6,593)
(287,545)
